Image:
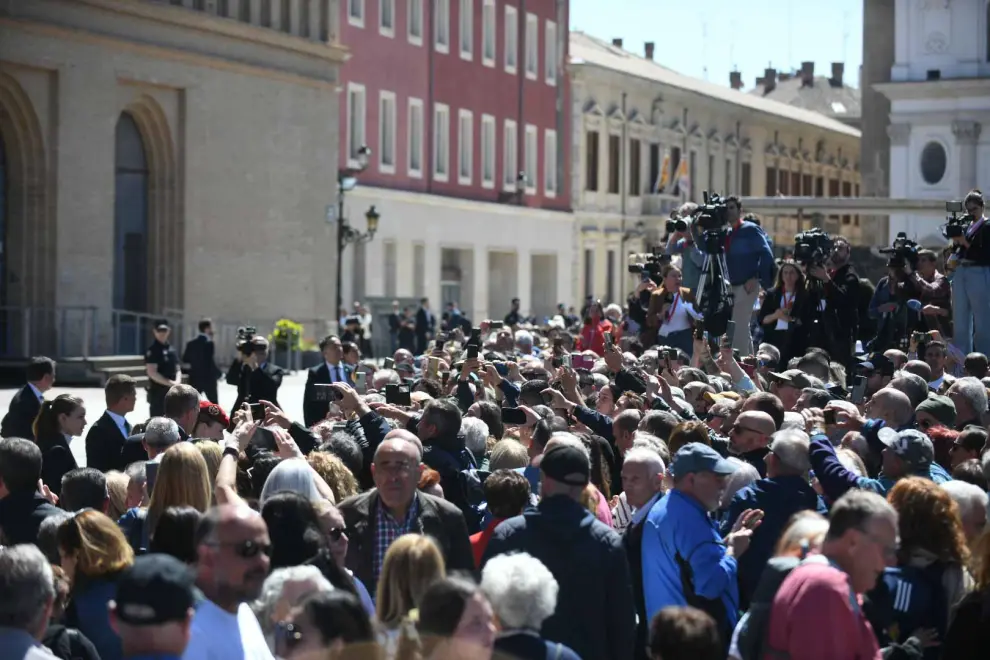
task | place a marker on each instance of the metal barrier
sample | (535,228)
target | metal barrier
(53,331)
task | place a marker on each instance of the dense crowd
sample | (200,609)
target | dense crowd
(616,484)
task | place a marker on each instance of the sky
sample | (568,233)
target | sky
(722,35)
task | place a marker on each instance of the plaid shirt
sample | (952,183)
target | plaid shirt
(387,529)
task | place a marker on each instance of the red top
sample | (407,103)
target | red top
(480,540)
(592,337)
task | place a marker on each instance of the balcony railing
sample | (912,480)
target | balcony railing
(315,20)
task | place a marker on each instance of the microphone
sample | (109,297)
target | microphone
(914,305)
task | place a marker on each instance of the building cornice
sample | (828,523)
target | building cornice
(381,195)
(933,89)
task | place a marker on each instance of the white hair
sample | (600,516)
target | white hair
(744,475)
(613,308)
(645,456)
(292,474)
(566,438)
(970,497)
(644,440)
(385,377)
(599,381)
(161,432)
(475,436)
(524,337)
(28,587)
(974,391)
(271,590)
(521,590)
(793,420)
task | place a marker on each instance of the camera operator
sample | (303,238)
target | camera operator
(888,308)
(255,377)
(671,312)
(971,282)
(683,242)
(931,288)
(749,258)
(841,286)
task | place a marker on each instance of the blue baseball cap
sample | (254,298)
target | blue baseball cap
(696,457)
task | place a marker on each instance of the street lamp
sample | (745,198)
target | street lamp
(347,235)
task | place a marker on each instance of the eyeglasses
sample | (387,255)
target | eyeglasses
(737,428)
(248,549)
(711,418)
(889,551)
(335,533)
(287,637)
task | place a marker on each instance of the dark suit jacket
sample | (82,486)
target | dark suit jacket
(254,385)
(103,445)
(198,355)
(794,341)
(56,460)
(438,519)
(425,325)
(24,407)
(21,514)
(313,410)
(133,449)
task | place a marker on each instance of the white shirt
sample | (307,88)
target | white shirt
(786,302)
(366,320)
(120,422)
(337,374)
(37,392)
(219,635)
(681,313)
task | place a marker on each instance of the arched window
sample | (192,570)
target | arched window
(130,250)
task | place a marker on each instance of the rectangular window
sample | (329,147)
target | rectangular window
(675,164)
(511,39)
(391,274)
(711,174)
(728,177)
(488,19)
(819,186)
(532,46)
(550,53)
(745,179)
(466,23)
(465,147)
(441,25)
(692,177)
(532,156)
(846,192)
(419,270)
(796,184)
(550,163)
(415,138)
(441,142)
(414,18)
(386,17)
(771,182)
(356,121)
(784,183)
(610,276)
(510,156)
(589,273)
(591,162)
(487,151)
(614,149)
(634,167)
(807,188)
(833,187)
(651,185)
(355,12)
(386,132)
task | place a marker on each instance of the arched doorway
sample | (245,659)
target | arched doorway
(130,210)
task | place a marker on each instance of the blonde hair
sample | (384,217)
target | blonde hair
(805,531)
(97,544)
(413,562)
(334,472)
(117,488)
(182,480)
(589,498)
(212,454)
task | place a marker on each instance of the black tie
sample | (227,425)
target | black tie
(127,428)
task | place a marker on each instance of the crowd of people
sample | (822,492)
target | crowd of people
(615,484)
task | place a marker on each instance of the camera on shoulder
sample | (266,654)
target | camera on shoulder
(245,339)
(903,251)
(955,224)
(812,247)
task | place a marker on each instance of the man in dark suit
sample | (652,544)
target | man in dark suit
(107,436)
(375,518)
(199,355)
(255,377)
(26,404)
(181,407)
(22,507)
(426,325)
(394,324)
(316,400)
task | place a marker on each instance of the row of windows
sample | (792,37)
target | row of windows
(441,147)
(442,33)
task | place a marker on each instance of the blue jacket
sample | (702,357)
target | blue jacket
(683,550)
(749,256)
(779,498)
(89,614)
(692,260)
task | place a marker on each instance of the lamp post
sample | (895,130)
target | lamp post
(347,235)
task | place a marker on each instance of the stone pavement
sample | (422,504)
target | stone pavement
(290,397)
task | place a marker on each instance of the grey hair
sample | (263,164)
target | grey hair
(856,509)
(385,377)
(642,439)
(137,473)
(645,456)
(475,435)
(565,438)
(271,591)
(599,381)
(28,588)
(292,474)
(161,432)
(969,497)
(792,420)
(47,531)
(744,475)
(524,337)
(521,590)
(974,391)
(374,398)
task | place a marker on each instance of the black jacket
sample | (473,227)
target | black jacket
(56,460)
(437,518)
(842,295)
(425,325)
(133,448)
(313,410)
(104,443)
(21,515)
(24,408)
(793,341)
(199,355)
(254,385)
(595,613)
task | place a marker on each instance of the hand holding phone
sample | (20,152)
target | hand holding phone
(514,416)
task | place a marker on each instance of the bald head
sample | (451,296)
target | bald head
(892,406)
(919,368)
(757,420)
(403,442)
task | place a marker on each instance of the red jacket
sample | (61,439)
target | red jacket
(480,540)
(592,338)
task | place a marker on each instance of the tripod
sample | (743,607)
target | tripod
(714,293)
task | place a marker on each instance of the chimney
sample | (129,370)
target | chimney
(769,80)
(617,42)
(838,68)
(649,48)
(807,74)
(735,80)
(759,81)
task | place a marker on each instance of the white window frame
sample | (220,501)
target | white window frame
(356,89)
(415,172)
(550,183)
(441,142)
(489,20)
(462,116)
(511,50)
(488,151)
(438,16)
(356,21)
(532,46)
(414,9)
(510,144)
(466,13)
(384,30)
(531,158)
(383,99)
(550,64)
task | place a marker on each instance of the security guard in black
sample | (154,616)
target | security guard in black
(161,363)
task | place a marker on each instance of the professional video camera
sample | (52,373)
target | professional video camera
(714,298)
(245,335)
(651,264)
(902,251)
(955,225)
(676,223)
(812,247)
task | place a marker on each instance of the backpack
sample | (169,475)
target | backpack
(754,627)
(907,598)
(462,482)
(69,644)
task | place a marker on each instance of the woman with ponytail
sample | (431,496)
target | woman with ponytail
(58,421)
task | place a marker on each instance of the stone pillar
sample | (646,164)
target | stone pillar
(524,275)
(967,134)
(431,277)
(405,279)
(479,284)
(374,272)
(900,174)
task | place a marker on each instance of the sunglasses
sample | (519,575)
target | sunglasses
(335,533)
(249,549)
(287,637)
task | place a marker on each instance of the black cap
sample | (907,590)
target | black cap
(161,325)
(566,464)
(157,589)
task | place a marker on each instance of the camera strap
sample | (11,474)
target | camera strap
(673,306)
(975,227)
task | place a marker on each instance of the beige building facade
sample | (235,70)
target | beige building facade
(164,158)
(629,113)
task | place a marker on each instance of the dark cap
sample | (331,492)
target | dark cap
(156,589)
(696,457)
(877,362)
(911,446)
(213,412)
(794,378)
(161,325)
(941,407)
(566,464)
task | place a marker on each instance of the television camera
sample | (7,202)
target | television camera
(245,339)
(955,225)
(715,297)
(903,251)
(649,265)
(812,247)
